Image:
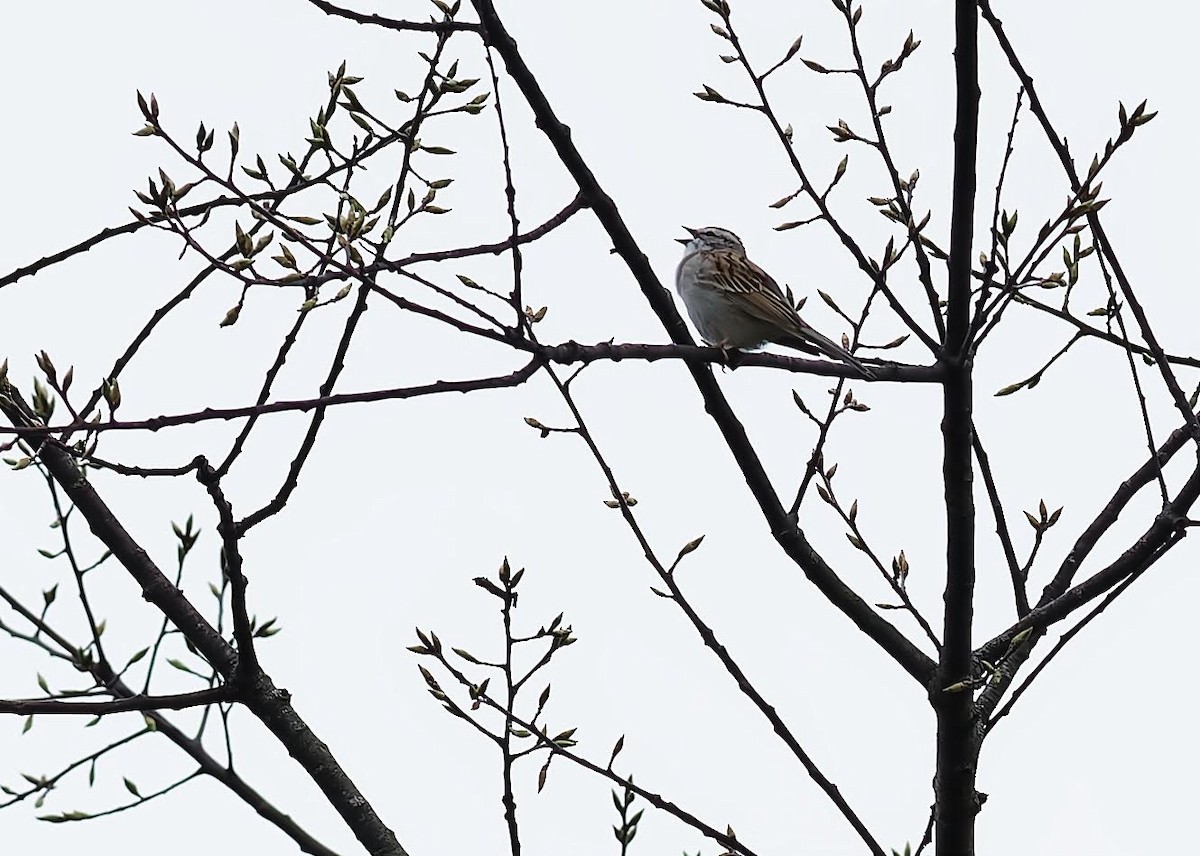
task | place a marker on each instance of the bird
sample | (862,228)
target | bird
(736,304)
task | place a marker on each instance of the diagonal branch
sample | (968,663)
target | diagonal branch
(1063,640)
(1104,245)
(667,578)
(1103,335)
(1103,521)
(156,423)
(819,200)
(1163,533)
(784,529)
(1020,594)
(270,704)
(870,93)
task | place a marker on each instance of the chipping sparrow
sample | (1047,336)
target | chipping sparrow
(735,304)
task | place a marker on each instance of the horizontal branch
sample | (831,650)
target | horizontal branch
(394,23)
(210,414)
(573,352)
(566,353)
(55,707)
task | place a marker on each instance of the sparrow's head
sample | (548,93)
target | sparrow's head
(711,238)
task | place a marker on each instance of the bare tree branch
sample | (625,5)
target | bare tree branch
(443,26)
(957,740)
(271,705)
(1103,243)
(783,529)
(59,707)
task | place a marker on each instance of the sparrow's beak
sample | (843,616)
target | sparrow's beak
(691,232)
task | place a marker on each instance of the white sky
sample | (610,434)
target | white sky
(403,503)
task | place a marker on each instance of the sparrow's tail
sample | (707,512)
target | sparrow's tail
(812,340)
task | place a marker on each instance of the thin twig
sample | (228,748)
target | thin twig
(667,579)
(1020,594)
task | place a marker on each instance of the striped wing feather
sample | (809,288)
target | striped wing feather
(759,296)
(757,293)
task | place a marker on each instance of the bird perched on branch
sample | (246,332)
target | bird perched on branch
(735,304)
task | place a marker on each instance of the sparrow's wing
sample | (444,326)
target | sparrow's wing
(754,292)
(758,295)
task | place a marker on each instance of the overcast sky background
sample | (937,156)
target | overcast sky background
(405,502)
